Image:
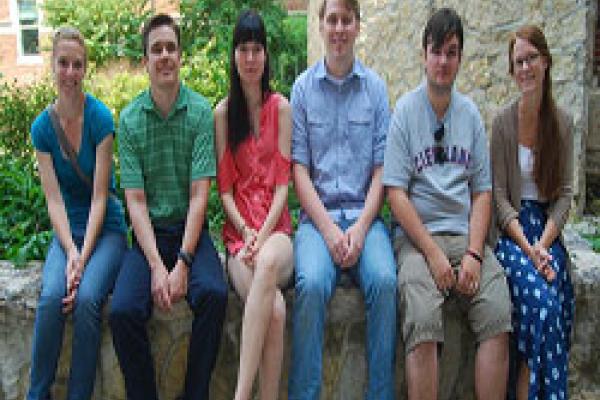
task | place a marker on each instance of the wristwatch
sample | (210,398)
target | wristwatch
(187,258)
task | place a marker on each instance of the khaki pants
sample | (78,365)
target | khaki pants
(420,301)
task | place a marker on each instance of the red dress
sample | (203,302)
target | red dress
(252,173)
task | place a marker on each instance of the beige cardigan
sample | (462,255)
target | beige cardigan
(506,173)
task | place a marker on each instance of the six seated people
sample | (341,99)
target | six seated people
(345,154)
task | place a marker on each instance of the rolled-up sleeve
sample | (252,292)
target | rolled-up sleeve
(300,148)
(381,123)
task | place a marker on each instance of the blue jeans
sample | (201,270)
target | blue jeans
(316,279)
(131,307)
(98,279)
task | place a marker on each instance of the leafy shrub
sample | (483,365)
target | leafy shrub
(116,88)
(24,224)
(206,74)
(19,105)
(207,26)
(112,32)
(111,27)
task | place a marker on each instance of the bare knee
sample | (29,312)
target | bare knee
(425,351)
(278,315)
(495,347)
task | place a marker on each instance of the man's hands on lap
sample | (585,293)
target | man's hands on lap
(178,282)
(354,238)
(469,276)
(160,286)
(441,271)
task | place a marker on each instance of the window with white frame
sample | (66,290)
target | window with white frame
(29,27)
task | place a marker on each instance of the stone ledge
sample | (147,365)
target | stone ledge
(344,358)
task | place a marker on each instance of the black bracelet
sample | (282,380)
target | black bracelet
(187,258)
(475,255)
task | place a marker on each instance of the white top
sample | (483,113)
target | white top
(529,189)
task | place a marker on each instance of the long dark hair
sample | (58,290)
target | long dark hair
(249,28)
(548,166)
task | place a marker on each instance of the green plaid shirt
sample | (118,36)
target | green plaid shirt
(164,155)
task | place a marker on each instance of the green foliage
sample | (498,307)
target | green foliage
(116,89)
(111,27)
(207,27)
(19,105)
(206,74)
(594,241)
(112,32)
(24,225)
(215,216)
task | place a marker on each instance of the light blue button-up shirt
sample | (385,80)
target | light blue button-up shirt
(339,134)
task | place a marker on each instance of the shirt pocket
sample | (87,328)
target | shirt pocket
(360,134)
(319,135)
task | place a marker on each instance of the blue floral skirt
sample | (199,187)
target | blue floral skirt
(542,311)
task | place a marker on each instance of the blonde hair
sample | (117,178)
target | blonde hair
(69,33)
(351,5)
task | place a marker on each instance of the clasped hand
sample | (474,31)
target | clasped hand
(73,272)
(169,287)
(467,281)
(542,260)
(345,247)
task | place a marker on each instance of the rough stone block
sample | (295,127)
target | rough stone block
(344,364)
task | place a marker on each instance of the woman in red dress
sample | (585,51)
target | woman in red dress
(253,134)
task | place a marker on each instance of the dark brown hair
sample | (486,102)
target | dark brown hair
(442,24)
(157,21)
(548,167)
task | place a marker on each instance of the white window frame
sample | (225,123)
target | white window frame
(25,59)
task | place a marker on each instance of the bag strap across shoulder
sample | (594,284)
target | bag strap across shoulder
(66,146)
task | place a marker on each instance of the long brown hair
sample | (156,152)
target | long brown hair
(548,167)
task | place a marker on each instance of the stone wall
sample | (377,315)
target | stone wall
(344,355)
(390,42)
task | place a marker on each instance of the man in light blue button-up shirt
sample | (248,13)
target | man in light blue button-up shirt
(340,121)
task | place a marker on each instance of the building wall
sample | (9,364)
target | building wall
(390,42)
(12,65)
(4,11)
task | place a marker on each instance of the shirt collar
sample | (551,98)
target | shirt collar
(358,70)
(446,117)
(180,103)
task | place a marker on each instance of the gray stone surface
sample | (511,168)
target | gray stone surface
(344,355)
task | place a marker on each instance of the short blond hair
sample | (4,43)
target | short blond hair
(351,5)
(69,33)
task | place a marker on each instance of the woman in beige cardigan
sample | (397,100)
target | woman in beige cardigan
(532,159)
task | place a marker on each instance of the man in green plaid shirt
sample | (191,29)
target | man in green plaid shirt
(167,159)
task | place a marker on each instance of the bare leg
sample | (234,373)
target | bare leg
(272,357)
(422,372)
(523,381)
(491,368)
(259,292)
